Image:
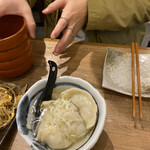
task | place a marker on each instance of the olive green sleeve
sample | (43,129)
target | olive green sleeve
(31,2)
(113,15)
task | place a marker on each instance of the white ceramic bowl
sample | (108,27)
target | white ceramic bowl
(24,103)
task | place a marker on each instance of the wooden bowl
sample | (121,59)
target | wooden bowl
(15,50)
(17,71)
(13,31)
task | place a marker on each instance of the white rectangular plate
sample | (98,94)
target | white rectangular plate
(117,72)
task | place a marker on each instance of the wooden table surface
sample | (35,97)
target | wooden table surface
(85,60)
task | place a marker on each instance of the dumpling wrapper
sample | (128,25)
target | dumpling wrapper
(53,138)
(85,103)
(61,124)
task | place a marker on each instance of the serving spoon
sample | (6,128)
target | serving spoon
(35,110)
(47,92)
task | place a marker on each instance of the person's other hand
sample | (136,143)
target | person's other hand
(73,18)
(18,7)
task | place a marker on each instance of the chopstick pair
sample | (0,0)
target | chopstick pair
(134,50)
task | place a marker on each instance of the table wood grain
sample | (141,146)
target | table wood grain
(85,60)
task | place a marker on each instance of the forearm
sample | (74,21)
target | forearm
(116,15)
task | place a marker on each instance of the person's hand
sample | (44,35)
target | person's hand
(18,7)
(73,18)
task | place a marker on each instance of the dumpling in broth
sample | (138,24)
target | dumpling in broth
(84,101)
(53,137)
(61,124)
(67,119)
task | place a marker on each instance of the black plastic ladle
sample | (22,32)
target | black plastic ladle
(47,92)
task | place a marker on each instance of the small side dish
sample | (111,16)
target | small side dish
(10,94)
(117,72)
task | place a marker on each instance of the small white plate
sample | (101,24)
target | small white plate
(117,72)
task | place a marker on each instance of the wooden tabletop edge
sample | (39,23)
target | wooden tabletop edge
(91,43)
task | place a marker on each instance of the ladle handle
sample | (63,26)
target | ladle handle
(47,92)
(51,81)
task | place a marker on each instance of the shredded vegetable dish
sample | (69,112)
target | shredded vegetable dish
(10,95)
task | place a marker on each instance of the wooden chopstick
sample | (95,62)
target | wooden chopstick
(133,80)
(135,46)
(138,78)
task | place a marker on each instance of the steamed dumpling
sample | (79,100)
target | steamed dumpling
(85,103)
(61,124)
(67,119)
(53,137)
